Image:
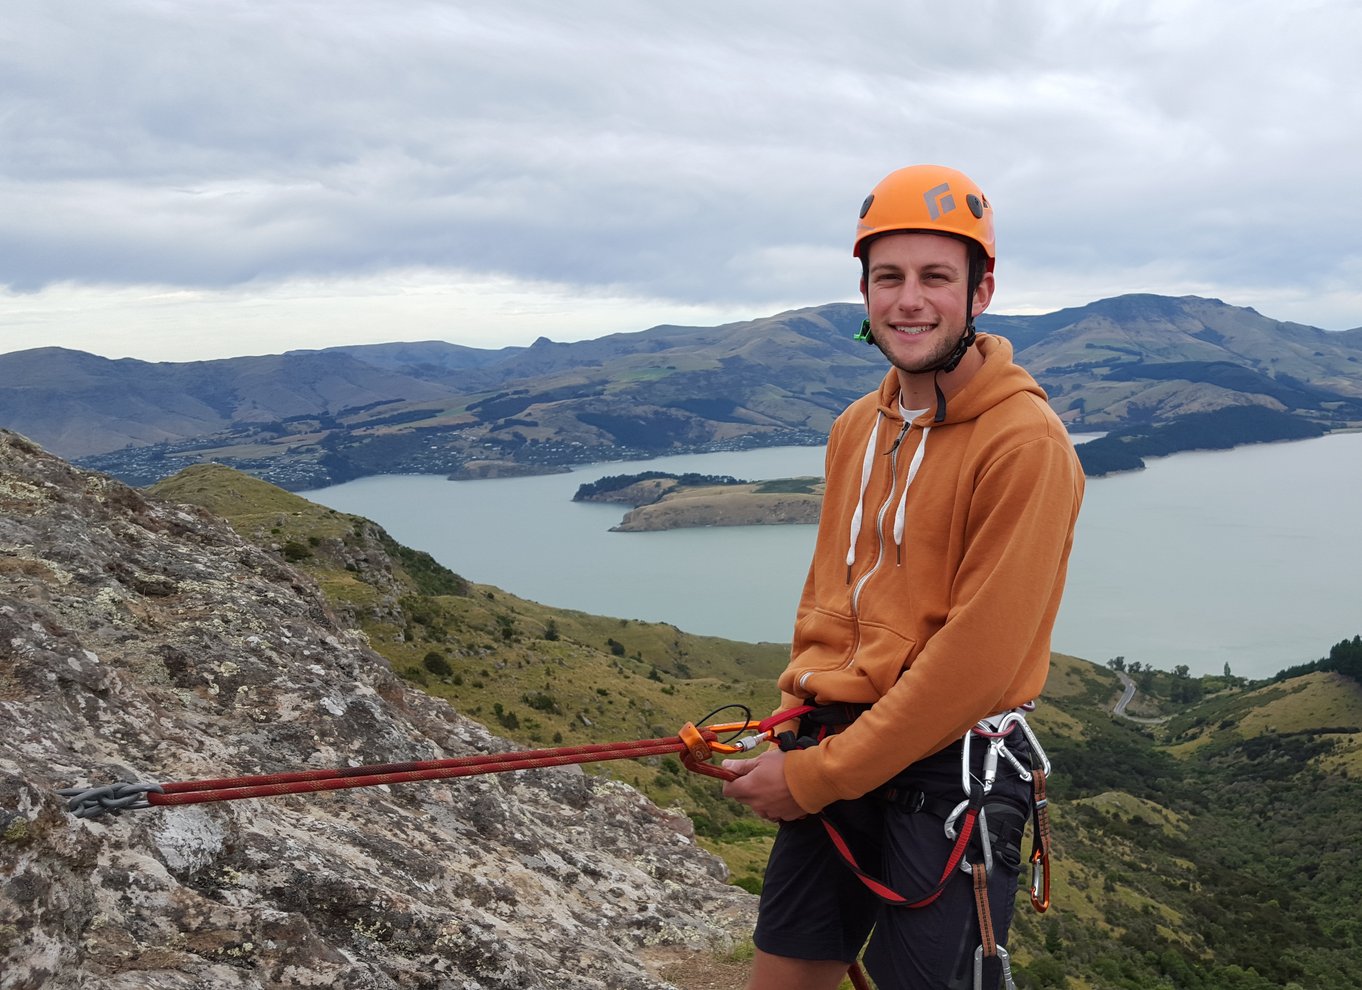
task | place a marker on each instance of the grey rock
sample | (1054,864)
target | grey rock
(146,641)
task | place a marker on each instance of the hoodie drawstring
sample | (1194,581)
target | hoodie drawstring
(867,466)
(913,465)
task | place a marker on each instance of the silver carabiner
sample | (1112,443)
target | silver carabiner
(1037,750)
(1023,771)
(966,779)
(991,764)
(954,817)
(989,769)
(1004,958)
(980,827)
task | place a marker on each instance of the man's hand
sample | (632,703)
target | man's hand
(761,786)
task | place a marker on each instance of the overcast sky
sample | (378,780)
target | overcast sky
(186,179)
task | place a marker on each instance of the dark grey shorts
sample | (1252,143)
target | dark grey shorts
(814,907)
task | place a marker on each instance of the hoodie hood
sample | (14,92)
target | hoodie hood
(996,380)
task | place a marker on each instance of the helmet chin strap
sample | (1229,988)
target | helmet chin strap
(950,364)
(962,345)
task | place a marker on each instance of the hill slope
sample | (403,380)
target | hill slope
(1143,358)
(78,404)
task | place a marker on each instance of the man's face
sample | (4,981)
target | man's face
(915,292)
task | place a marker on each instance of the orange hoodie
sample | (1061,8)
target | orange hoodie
(937,573)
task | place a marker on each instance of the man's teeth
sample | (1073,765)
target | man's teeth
(912,330)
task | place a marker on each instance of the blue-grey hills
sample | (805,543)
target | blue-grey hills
(1159,373)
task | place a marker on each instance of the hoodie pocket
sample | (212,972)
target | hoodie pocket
(882,655)
(862,652)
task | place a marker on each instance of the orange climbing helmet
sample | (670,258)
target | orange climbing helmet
(929,198)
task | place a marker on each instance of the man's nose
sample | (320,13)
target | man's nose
(909,297)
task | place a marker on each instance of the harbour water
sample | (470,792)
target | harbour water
(1250,558)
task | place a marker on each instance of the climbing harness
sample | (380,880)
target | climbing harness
(966,820)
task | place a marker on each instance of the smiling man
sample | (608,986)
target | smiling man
(952,493)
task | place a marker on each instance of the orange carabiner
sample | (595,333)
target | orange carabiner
(1040,880)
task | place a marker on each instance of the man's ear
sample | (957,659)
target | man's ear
(982,295)
(864,297)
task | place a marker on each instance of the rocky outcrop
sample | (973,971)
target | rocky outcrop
(145,641)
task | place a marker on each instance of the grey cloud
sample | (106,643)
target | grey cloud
(707,151)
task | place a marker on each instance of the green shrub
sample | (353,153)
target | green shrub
(437,664)
(541,701)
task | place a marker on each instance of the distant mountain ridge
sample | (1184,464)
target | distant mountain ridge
(78,404)
(309,418)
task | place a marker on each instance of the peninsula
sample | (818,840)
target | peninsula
(668,501)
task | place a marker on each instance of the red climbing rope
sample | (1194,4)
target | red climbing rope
(308,781)
(694,745)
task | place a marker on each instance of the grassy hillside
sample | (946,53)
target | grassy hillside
(1212,849)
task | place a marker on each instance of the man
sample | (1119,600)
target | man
(947,521)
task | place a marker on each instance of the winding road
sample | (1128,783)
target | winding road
(1127,696)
